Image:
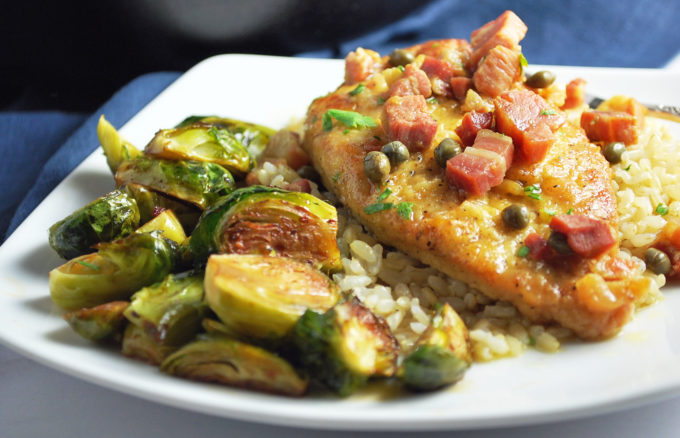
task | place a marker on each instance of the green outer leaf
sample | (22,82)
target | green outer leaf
(432,366)
(110,217)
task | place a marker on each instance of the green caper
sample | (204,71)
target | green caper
(540,79)
(309,173)
(401,57)
(614,151)
(376,166)
(396,151)
(558,242)
(657,261)
(448,148)
(515,216)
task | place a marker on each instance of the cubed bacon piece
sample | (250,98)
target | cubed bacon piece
(495,142)
(460,86)
(520,114)
(507,30)
(440,73)
(406,119)
(299,185)
(498,71)
(361,64)
(627,105)
(455,52)
(539,249)
(586,236)
(608,126)
(576,94)
(414,81)
(475,170)
(471,124)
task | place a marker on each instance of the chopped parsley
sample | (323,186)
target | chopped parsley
(381,100)
(550,212)
(523,61)
(438,306)
(627,168)
(336,176)
(570,211)
(523,251)
(534,192)
(350,119)
(405,210)
(532,341)
(387,192)
(661,210)
(357,90)
(346,131)
(88,265)
(548,112)
(378,207)
(401,68)
(432,100)
(377,138)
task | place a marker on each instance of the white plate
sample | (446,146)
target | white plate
(640,365)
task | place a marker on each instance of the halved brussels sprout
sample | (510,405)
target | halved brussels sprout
(100,323)
(345,346)
(220,359)
(110,217)
(138,344)
(201,142)
(263,296)
(267,220)
(115,272)
(170,311)
(168,224)
(115,147)
(151,202)
(441,355)
(196,182)
(254,137)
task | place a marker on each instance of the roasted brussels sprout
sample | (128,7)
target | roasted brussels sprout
(345,346)
(201,142)
(151,202)
(219,359)
(170,311)
(441,355)
(262,296)
(100,323)
(115,147)
(138,344)
(168,224)
(110,217)
(254,137)
(267,220)
(197,182)
(115,272)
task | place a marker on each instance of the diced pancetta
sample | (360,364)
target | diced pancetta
(471,124)
(507,30)
(440,73)
(498,71)
(475,170)
(414,81)
(360,64)
(407,119)
(538,247)
(454,51)
(586,236)
(495,142)
(608,126)
(460,86)
(299,185)
(576,94)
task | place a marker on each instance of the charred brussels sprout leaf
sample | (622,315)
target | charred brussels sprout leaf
(201,142)
(100,323)
(199,183)
(254,137)
(150,203)
(168,224)
(219,359)
(110,217)
(441,355)
(138,344)
(262,296)
(345,346)
(265,220)
(115,147)
(115,272)
(170,311)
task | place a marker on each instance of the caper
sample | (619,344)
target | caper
(558,242)
(401,57)
(540,79)
(376,166)
(396,151)
(447,148)
(657,261)
(515,216)
(614,151)
(309,173)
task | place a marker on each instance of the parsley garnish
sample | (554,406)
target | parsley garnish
(381,100)
(387,192)
(432,100)
(570,211)
(401,68)
(523,61)
(627,168)
(523,251)
(532,341)
(534,192)
(550,212)
(350,119)
(378,207)
(357,90)
(438,307)
(661,210)
(548,112)
(88,265)
(405,210)
(336,176)
(346,131)
(377,138)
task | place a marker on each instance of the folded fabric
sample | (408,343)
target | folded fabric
(28,161)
